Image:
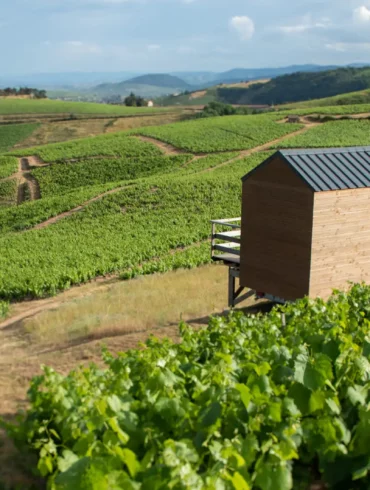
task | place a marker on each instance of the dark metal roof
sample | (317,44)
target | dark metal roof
(329,169)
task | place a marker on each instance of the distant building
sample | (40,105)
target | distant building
(150,103)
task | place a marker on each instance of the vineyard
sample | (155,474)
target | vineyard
(13,133)
(8,192)
(8,166)
(221,134)
(120,231)
(247,403)
(307,108)
(336,134)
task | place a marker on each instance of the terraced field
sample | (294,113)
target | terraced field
(113,203)
(335,134)
(221,134)
(14,133)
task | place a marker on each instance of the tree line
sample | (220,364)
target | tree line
(11,91)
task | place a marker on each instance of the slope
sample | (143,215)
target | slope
(300,87)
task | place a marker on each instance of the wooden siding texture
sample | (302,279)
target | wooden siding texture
(341,240)
(276,236)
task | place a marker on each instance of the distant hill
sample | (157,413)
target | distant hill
(299,87)
(159,80)
(152,85)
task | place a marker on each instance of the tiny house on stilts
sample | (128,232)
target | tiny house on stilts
(305,225)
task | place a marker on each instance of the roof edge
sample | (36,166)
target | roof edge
(278,153)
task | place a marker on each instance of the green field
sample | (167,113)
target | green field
(62,178)
(8,192)
(162,202)
(159,215)
(352,98)
(12,134)
(8,166)
(116,145)
(335,110)
(46,106)
(336,134)
(221,133)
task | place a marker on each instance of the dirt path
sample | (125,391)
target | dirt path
(165,147)
(28,187)
(57,218)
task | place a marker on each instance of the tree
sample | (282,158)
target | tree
(135,101)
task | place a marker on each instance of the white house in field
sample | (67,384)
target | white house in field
(150,103)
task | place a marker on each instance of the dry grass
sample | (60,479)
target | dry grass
(56,132)
(138,305)
(245,84)
(198,95)
(69,330)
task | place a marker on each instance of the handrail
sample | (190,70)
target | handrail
(223,221)
(231,238)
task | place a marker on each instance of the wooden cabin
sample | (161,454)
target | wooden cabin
(305,225)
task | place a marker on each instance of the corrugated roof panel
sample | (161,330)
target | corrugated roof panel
(327,169)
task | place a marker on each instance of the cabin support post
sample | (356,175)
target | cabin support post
(235,294)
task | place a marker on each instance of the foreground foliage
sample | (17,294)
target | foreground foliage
(245,404)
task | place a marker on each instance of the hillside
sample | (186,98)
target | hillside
(203,97)
(359,97)
(300,87)
(79,220)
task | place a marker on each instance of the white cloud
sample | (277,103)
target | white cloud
(244,26)
(79,48)
(346,47)
(154,47)
(305,24)
(361,15)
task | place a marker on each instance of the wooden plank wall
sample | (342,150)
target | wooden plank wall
(341,240)
(277,211)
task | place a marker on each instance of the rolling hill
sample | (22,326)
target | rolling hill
(145,85)
(299,87)
(359,97)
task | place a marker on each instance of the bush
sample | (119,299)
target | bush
(251,402)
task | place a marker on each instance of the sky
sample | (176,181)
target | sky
(179,35)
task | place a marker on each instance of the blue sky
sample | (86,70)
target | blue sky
(174,35)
